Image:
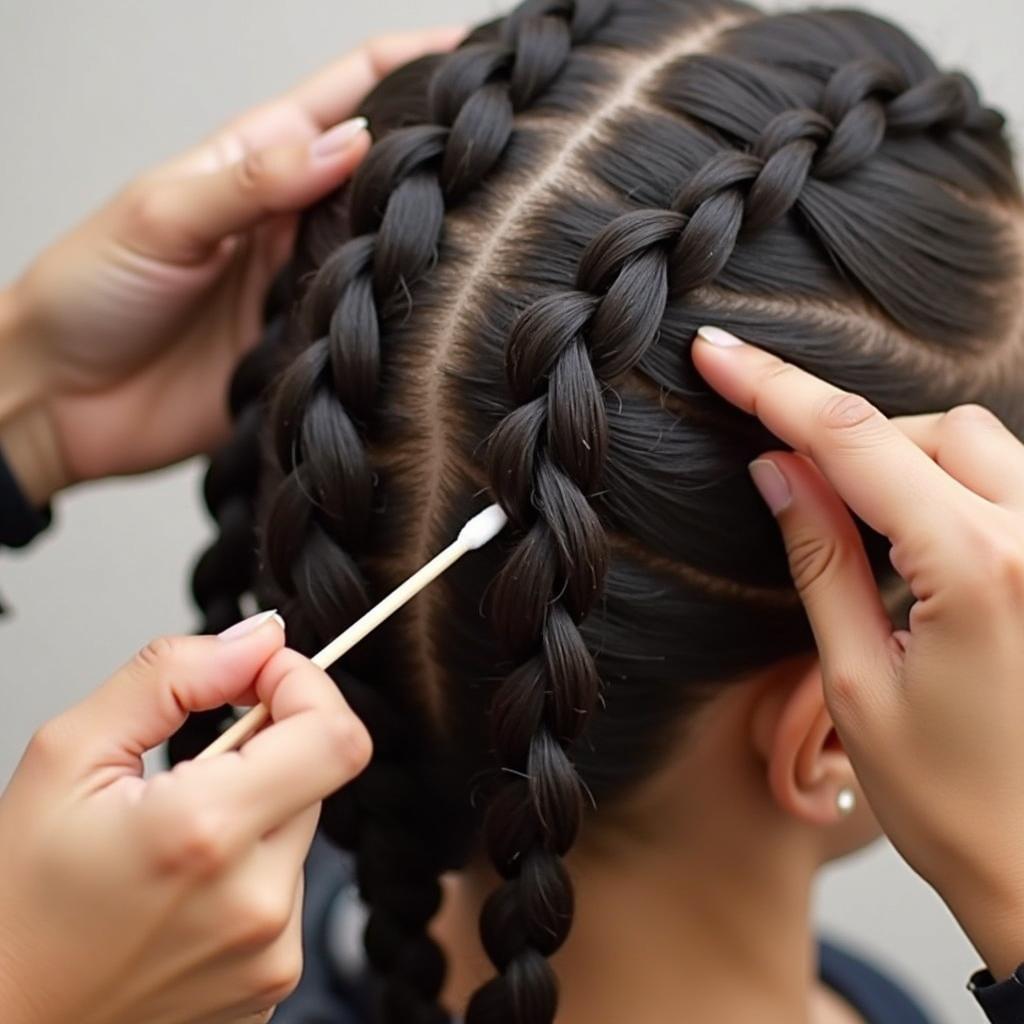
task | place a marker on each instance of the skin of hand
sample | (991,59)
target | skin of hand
(117,343)
(175,898)
(931,717)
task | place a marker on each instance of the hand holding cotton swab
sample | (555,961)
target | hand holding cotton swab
(480,530)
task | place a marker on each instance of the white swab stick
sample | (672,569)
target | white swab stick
(475,534)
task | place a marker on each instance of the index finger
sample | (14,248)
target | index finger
(878,471)
(314,745)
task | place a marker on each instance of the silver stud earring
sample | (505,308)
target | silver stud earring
(846,801)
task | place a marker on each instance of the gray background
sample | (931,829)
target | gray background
(91,92)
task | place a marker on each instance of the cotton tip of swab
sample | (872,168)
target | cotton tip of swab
(482,528)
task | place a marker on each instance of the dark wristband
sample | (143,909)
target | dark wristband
(19,520)
(1003,1002)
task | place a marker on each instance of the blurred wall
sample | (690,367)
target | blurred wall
(92,92)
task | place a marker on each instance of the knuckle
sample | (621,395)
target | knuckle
(349,741)
(924,614)
(157,654)
(145,208)
(775,370)
(971,414)
(251,172)
(160,807)
(278,975)
(844,695)
(813,558)
(261,917)
(995,566)
(377,46)
(846,412)
(196,840)
(47,742)
(768,379)
(228,145)
(1011,577)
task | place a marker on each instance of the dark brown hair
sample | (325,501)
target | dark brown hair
(501,307)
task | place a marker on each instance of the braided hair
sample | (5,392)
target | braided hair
(321,510)
(503,301)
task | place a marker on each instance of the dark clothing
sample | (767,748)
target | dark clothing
(876,997)
(19,521)
(334,987)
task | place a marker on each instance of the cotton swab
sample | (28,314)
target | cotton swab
(480,530)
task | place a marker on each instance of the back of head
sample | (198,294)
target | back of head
(503,303)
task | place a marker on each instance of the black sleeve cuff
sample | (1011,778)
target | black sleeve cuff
(19,521)
(1003,1002)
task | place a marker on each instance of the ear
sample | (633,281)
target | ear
(793,734)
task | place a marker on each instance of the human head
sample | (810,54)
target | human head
(501,306)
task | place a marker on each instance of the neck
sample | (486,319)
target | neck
(673,921)
(656,949)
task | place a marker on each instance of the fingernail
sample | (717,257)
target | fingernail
(719,338)
(772,484)
(335,139)
(250,625)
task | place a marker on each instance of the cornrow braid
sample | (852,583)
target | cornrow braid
(564,353)
(762,186)
(793,161)
(319,517)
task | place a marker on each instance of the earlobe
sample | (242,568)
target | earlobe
(807,767)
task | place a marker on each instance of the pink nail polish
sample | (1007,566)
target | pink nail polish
(250,625)
(335,139)
(719,338)
(772,484)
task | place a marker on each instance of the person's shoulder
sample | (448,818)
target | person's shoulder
(877,995)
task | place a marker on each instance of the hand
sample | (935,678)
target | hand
(122,336)
(177,898)
(931,718)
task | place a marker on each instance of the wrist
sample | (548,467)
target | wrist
(992,915)
(28,438)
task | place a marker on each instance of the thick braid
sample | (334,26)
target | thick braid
(319,518)
(326,398)
(564,353)
(382,819)
(864,102)
(867,100)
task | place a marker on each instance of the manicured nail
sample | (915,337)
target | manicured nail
(250,625)
(335,139)
(774,487)
(719,338)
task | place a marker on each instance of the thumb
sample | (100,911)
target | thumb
(184,218)
(831,571)
(149,698)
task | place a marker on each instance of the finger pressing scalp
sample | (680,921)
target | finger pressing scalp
(880,473)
